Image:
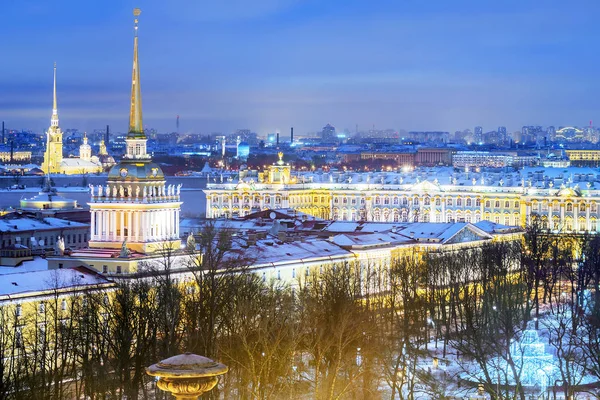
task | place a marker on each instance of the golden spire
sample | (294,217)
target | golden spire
(136,128)
(54,120)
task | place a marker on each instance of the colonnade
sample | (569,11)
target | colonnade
(135,225)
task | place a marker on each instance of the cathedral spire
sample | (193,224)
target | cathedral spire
(136,128)
(54,120)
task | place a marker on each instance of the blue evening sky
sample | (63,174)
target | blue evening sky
(271,64)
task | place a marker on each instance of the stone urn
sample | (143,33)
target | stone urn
(187,376)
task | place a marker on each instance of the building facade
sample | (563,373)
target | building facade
(564,201)
(135,209)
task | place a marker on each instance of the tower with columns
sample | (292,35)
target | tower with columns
(136,206)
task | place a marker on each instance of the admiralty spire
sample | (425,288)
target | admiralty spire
(135,210)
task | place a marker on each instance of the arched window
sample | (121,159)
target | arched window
(478,203)
(416,201)
(438,202)
(497,204)
(569,207)
(487,203)
(517,204)
(507,204)
(449,202)
(459,202)
(427,201)
(469,202)
(395,200)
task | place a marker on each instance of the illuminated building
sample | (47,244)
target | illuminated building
(584,158)
(15,156)
(567,200)
(136,206)
(54,162)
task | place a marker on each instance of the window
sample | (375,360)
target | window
(377,200)
(506,204)
(404,201)
(437,202)
(459,202)
(293,272)
(345,200)
(497,205)
(353,201)
(506,220)
(469,203)
(386,200)
(449,202)
(336,200)
(42,308)
(18,310)
(517,204)
(487,203)
(105,269)
(264,277)
(416,201)
(278,274)
(118,269)
(582,207)
(569,207)
(395,200)
(63,305)
(478,203)
(497,220)
(427,201)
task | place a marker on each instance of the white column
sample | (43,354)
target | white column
(93,226)
(587,216)
(152,224)
(129,226)
(121,227)
(136,225)
(177,222)
(105,224)
(576,217)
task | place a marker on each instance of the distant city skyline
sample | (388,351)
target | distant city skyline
(268,65)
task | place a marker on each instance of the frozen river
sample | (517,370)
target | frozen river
(194,201)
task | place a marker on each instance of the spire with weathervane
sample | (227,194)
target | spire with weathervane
(53,154)
(136,138)
(54,119)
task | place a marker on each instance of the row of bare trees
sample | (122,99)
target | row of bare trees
(363,330)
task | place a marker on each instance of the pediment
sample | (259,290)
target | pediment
(427,186)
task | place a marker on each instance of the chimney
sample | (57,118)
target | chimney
(292,135)
(282,235)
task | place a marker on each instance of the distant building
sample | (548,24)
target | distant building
(478,135)
(328,134)
(427,137)
(584,158)
(54,162)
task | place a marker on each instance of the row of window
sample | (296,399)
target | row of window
(76,238)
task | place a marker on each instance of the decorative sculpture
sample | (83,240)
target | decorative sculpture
(125,252)
(60,246)
(99,190)
(115,191)
(91,189)
(145,192)
(137,191)
(121,191)
(178,189)
(129,191)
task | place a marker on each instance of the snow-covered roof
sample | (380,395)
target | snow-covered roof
(33,282)
(37,264)
(15,222)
